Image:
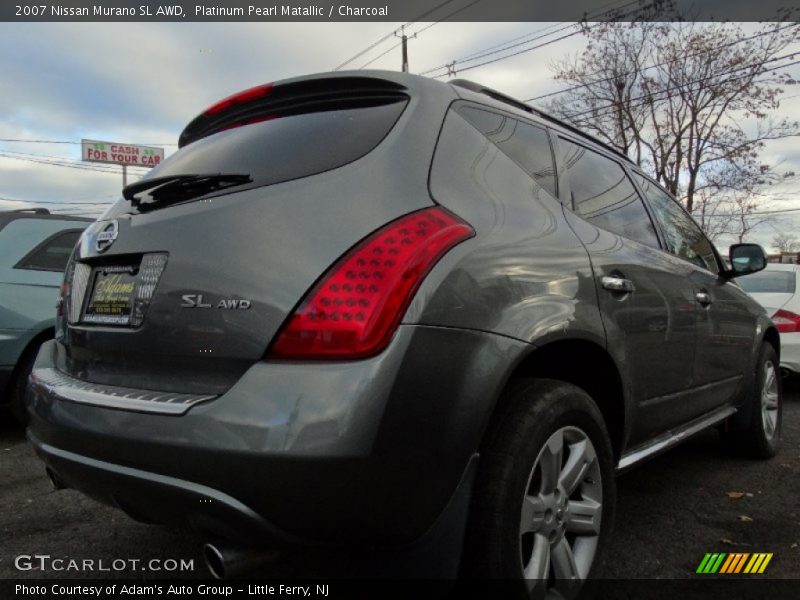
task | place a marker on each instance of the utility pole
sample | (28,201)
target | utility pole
(404,39)
(404,43)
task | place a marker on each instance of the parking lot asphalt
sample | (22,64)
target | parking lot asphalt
(671,511)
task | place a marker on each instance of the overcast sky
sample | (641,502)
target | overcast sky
(143,82)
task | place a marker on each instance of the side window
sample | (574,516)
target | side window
(682,235)
(52,254)
(525,144)
(603,195)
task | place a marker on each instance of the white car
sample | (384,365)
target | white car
(777,289)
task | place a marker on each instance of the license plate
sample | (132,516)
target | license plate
(112,296)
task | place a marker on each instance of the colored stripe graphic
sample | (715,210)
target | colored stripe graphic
(758,563)
(765,563)
(743,557)
(717,563)
(711,562)
(703,563)
(728,562)
(734,563)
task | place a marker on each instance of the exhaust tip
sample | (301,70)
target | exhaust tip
(215,562)
(54,481)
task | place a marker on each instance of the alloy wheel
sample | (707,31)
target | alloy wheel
(561,515)
(769,400)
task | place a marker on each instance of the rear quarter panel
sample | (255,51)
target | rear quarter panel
(525,275)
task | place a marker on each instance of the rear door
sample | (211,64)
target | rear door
(645,295)
(726,319)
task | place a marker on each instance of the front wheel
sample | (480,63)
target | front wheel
(544,500)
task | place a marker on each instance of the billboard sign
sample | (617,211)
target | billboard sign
(121,154)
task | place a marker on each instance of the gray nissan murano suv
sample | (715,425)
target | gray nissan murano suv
(373,310)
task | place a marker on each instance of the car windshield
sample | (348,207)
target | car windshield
(769,282)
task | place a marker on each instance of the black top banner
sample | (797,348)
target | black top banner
(399,10)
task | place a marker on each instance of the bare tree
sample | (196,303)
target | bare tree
(786,242)
(691,103)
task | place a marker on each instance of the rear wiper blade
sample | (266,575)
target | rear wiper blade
(180,187)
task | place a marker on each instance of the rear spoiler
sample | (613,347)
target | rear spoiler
(270,101)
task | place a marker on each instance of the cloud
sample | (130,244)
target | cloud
(143,82)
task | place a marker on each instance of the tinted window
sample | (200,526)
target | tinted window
(52,254)
(525,144)
(287,147)
(603,194)
(765,282)
(681,234)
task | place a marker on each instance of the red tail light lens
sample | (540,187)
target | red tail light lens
(355,308)
(239,98)
(786,321)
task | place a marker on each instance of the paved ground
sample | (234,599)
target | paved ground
(671,511)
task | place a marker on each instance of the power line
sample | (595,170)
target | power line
(59,203)
(508,46)
(24,141)
(647,98)
(390,35)
(416,33)
(70,160)
(365,50)
(381,55)
(65,163)
(661,64)
(757,212)
(444,18)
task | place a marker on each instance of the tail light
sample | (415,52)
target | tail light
(239,98)
(786,321)
(355,308)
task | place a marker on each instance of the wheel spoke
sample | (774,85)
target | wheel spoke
(772,400)
(532,514)
(563,560)
(583,517)
(769,377)
(581,456)
(537,570)
(769,425)
(550,462)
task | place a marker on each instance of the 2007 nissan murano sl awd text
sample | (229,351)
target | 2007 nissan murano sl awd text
(371,309)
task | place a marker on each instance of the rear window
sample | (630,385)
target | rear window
(52,254)
(288,147)
(769,282)
(525,144)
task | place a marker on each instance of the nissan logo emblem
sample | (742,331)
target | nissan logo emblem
(106,236)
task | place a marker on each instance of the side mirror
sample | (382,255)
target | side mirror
(746,259)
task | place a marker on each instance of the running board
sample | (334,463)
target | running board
(667,440)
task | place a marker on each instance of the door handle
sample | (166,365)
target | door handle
(617,284)
(703,298)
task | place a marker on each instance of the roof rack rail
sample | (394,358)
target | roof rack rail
(38,211)
(501,97)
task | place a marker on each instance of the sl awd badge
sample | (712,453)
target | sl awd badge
(197,301)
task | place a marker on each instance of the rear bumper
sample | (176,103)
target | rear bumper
(790,352)
(372,452)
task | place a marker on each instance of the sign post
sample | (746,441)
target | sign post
(124,155)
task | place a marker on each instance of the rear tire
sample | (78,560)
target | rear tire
(544,500)
(19,383)
(762,435)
